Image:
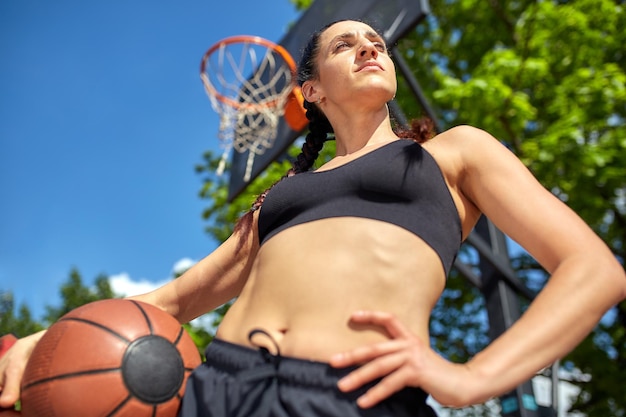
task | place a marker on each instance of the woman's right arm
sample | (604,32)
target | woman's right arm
(210,283)
(213,281)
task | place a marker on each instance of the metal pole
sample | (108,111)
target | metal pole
(503,310)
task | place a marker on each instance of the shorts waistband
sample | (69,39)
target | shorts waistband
(240,360)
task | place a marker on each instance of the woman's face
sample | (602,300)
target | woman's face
(353,65)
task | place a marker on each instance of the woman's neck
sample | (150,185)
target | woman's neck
(356,131)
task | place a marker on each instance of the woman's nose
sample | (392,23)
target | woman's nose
(368,49)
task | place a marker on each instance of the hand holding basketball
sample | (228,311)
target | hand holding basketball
(13,358)
(112,358)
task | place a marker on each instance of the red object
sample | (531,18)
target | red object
(6,342)
(109,358)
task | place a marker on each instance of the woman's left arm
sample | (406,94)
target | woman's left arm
(586,281)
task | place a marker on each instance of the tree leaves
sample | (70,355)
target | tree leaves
(547,78)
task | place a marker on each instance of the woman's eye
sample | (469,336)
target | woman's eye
(381,46)
(341,45)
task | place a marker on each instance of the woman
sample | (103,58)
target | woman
(337,270)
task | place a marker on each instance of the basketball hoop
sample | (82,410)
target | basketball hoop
(250,83)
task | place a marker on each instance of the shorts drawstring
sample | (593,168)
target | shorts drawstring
(254,332)
(264,393)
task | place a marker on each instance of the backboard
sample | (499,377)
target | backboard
(395,18)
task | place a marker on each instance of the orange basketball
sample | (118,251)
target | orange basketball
(109,358)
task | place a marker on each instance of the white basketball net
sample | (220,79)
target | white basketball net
(248,85)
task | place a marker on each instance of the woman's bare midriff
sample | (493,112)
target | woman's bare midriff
(307,281)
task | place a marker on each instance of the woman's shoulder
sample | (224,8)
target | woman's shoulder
(462,147)
(450,149)
(461,137)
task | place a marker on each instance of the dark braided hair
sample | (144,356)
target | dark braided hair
(320,128)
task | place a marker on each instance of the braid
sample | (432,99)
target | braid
(319,127)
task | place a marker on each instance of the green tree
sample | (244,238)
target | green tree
(75,294)
(547,78)
(18,322)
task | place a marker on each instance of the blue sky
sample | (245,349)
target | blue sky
(102,120)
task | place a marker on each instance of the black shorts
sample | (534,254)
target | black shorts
(237,381)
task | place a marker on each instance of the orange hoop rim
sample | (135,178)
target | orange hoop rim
(250,39)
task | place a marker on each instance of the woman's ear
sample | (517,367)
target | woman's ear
(310,91)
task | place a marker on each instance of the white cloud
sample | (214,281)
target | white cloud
(122,284)
(183,265)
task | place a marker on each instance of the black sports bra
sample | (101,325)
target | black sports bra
(398,183)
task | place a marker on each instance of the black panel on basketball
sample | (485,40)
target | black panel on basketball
(153,369)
